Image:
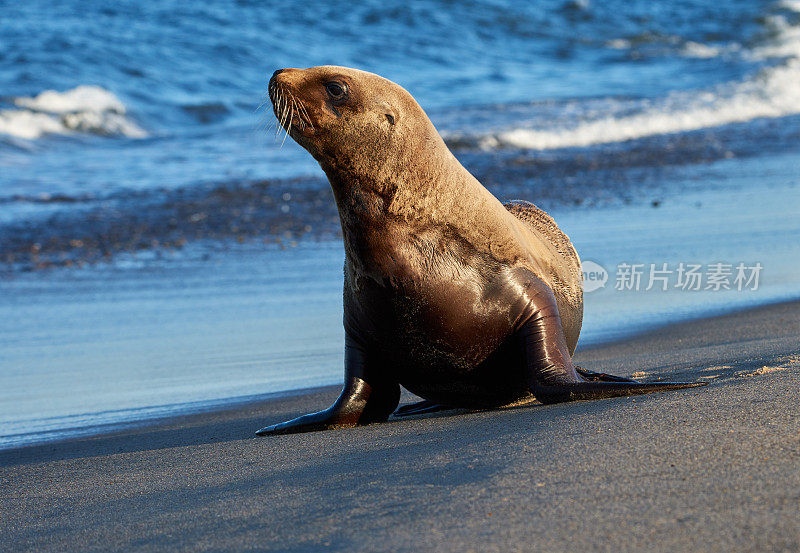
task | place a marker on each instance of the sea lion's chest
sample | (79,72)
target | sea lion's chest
(430,302)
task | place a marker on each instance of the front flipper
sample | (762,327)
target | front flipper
(552,377)
(366,398)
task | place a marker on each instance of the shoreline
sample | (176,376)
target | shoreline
(707,469)
(592,353)
(218,406)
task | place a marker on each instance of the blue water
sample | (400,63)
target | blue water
(134,143)
(190,77)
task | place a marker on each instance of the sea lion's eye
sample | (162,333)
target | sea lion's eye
(335,90)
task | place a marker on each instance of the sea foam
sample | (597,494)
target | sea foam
(771,92)
(84,109)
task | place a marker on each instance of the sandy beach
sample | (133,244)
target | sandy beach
(713,469)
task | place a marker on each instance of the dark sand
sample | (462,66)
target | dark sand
(712,469)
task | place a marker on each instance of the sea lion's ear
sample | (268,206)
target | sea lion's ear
(388,111)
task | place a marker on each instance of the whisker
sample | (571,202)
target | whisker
(288,126)
(277,107)
(308,117)
(265,97)
(261,105)
(285,107)
(282,111)
(283,115)
(265,125)
(295,104)
(274,96)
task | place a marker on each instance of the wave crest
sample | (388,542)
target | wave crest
(84,109)
(772,92)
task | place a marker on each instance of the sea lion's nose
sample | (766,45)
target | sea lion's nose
(282,75)
(274,77)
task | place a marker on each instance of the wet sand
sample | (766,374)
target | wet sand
(713,469)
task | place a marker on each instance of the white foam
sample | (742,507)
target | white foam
(699,50)
(793,5)
(104,123)
(84,109)
(785,44)
(692,49)
(81,98)
(773,92)
(619,44)
(28,124)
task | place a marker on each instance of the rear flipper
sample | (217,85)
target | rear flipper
(552,377)
(424,406)
(592,376)
(600,390)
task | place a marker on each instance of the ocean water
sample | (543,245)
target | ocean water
(148,207)
(118,102)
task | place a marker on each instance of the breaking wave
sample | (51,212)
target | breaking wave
(771,92)
(84,109)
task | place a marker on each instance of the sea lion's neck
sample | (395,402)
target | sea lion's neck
(409,178)
(362,206)
(418,185)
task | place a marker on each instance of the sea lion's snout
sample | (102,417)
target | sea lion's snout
(273,90)
(276,76)
(288,103)
(276,88)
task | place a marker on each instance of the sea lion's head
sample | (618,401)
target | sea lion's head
(351,121)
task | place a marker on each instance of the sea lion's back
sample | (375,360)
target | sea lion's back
(541,223)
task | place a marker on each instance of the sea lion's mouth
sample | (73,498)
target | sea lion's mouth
(289,110)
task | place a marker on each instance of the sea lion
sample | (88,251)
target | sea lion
(460,299)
